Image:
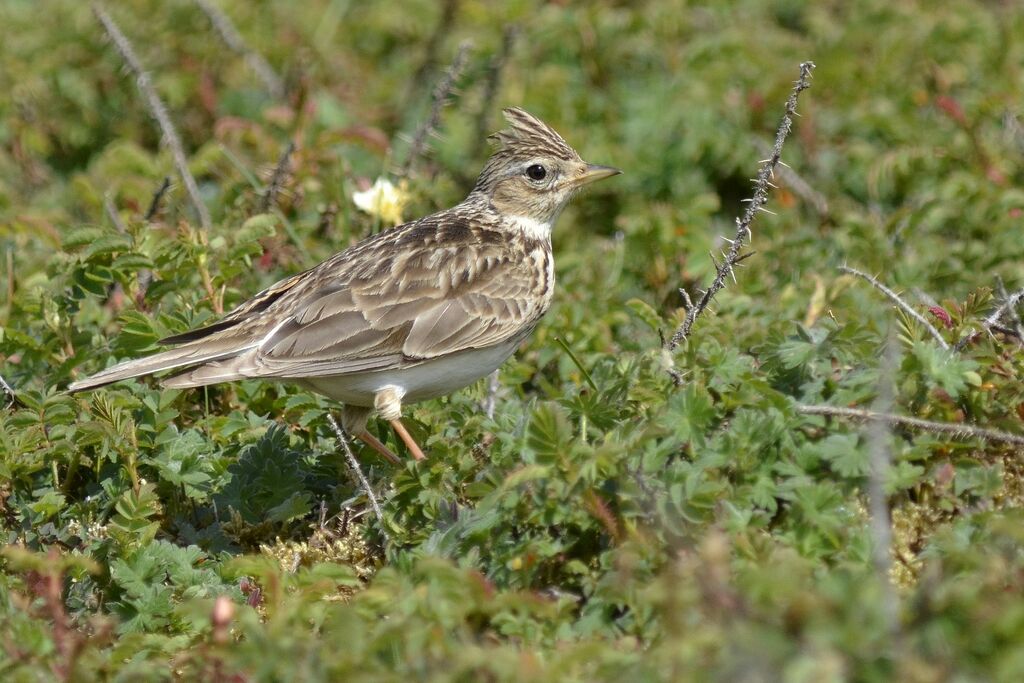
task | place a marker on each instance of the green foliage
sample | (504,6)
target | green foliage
(604,524)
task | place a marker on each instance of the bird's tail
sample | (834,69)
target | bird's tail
(190,354)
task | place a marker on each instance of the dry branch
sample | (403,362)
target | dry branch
(442,91)
(953,429)
(363,482)
(224,27)
(903,305)
(761,184)
(156,109)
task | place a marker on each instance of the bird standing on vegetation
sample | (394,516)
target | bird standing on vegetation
(410,313)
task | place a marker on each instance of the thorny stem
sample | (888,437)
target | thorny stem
(358,472)
(1009,305)
(156,109)
(895,298)
(760,198)
(956,430)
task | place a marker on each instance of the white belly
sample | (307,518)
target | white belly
(426,380)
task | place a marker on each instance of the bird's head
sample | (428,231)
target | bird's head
(533,173)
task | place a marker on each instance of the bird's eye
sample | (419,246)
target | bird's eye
(536,172)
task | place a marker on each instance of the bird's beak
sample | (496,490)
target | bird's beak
(595,172)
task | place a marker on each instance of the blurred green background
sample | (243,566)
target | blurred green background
(604,524)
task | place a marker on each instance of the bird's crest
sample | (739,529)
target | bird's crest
(528,136)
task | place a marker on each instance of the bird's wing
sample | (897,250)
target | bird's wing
(414,304)
(438,286)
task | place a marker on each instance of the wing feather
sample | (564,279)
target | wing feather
(440,285)
(392,320)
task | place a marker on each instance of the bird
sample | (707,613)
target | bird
(408,314)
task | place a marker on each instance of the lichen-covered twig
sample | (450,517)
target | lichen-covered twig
(156,109)
(762,182)
(442,92)
(903,305)
(956,430)
(277,178)
(225,28)
(363,482)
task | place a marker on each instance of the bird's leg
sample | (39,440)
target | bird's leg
(353,419)
(388,402)
(406,437)
(376,444)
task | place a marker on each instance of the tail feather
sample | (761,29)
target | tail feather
(166,360)
(214,372)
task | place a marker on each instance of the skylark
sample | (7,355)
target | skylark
(408,314)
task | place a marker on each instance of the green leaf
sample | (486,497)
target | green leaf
(549,433)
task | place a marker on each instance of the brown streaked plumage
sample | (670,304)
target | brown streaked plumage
(408,314)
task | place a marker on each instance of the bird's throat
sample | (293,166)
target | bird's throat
(531,227)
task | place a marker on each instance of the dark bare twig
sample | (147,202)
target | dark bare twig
(158,196)
(442,92)
(156,109)
(895,298)
(492,84)
(224,27)
(761,185)
(953,429)
(277,178)
(358,472)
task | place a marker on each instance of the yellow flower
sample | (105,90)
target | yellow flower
(384,200)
